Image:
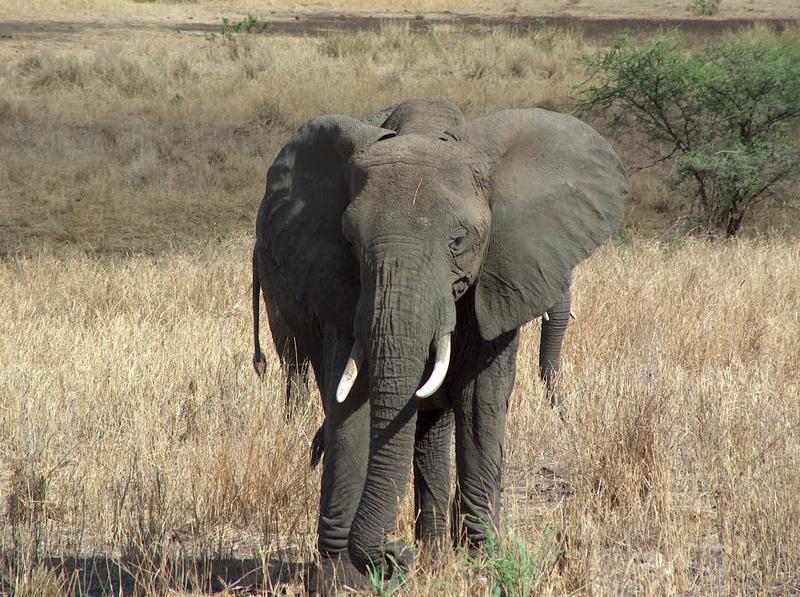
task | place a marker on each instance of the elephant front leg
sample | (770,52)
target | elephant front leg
(344,464)
(432,475)
(480,403)
(554,327)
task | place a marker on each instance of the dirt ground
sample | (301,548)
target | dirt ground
(37,20)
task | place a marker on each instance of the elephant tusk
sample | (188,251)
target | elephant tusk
(572,314)
(545,316)
(350,374)
(439,368)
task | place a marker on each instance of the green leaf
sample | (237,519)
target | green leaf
(720,115)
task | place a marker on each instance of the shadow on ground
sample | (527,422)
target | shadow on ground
(103,575)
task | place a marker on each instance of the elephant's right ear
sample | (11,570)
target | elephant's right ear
(299,222)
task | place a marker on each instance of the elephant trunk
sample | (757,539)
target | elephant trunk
(396,326)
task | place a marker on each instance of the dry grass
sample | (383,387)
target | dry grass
(153,140)
(134,430)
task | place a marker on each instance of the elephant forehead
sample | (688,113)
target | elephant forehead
(415,149)
(415,184)
(416,166)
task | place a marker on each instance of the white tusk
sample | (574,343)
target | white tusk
(350,374)
(439,368)
(572,314)
(545,316)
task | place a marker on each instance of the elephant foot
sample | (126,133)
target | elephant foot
(471,532)
(434,550)
(399,557)
(392,562)
(335,576)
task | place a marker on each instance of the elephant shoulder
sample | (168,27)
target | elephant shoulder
(299,220)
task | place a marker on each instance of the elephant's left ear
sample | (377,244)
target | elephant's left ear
(557,191)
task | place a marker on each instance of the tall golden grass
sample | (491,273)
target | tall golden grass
(137,439)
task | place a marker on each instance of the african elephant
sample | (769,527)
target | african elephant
(410,247)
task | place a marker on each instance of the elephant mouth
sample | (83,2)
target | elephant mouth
(460,286)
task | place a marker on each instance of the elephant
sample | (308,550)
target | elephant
(402,253)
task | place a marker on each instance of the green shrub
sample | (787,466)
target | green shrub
(704,8)
(229,29)
(514,567)
(721,115)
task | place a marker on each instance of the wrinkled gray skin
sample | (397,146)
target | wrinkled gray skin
(400,229)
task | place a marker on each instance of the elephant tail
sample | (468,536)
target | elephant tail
(259,362)
(318,446)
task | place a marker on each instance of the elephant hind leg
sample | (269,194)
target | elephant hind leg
(432,474)
(480,405)
(317,446)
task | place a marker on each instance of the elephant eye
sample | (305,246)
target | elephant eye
(459,242)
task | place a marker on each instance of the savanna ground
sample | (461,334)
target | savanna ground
(138,452)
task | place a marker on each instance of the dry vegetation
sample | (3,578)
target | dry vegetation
(133,427)
(668,9)
(152,140)
(146,141)
(137,448)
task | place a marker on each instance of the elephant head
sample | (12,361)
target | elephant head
(381,233)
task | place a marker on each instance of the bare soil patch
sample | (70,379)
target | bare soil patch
(321,22)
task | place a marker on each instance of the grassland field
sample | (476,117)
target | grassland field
(140,454)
